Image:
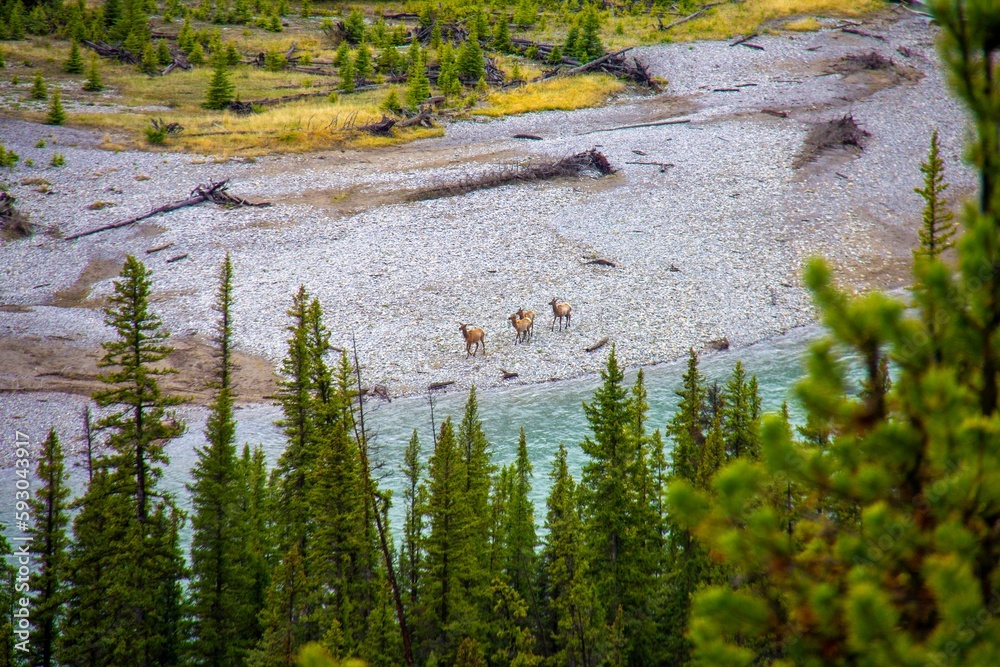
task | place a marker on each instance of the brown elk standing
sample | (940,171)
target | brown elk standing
(473,335)
(559,311)
(521,327)
(529,315)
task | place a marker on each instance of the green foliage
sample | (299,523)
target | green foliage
(56,115)
(274,60)
(163,55)
(49,518)
(232,55)
(93,83)
(354,26)
(7,596)
(306,10)
(150,63)
(390,61)
(347,76)
(342,55)
(74,64)
(448,72)
(38,89)
(418,88)
(38,21)
(526,14)
(391,102)
(221,90)
(501,36)
(156,134)
(363,62)
(58,160)
(470,60)
(197,55)
(938,231)
(3,63)
(15,21)
(588,44)
(555,55)
(8,158)
(125,558)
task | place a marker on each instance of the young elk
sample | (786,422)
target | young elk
(473,335)
(530,316)
(521,327)
(559,311)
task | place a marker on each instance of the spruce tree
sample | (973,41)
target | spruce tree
(414,497)
(38,88)
(470,60)
(8,653)
(49,544)
(740,415)
(501,36)
(150,63)
(347,75)
(93,83)
(218,576)
(588,43)
(254,508)
(74,64)
(285,613)
(112,12)
(126,560)
(163,55)
(56,115)
(938,230)
(519,563)
(220,88)
(902,583)
(576,622)
(363,62)
(418,88)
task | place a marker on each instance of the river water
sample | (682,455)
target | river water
(550,413)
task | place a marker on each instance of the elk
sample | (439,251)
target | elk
(521,327)
(473,335)
(530,316)
(559,311)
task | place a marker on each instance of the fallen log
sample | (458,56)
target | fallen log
(507,375)
(743,38)
(862,33)
(672,121)
(725,90)
(775,112)
(12,221)
(573,165)
(598,345)
(402,16)
(719,344)
(662,165)
(215,192)
(533,137)
(750,45)
(150,251)
(177,258)
(615,64)
(119,53)
(423,119)
(597,62)
(440,385)
(601,262)
(382,128)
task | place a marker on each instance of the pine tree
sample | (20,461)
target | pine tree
(8,652)
(414,497)
(347,76)
(284,615)
(571,46)
(126,559)
(15,21)
(220,88)
(197,54)
(49,545)
(740,415)
(900,584)
(38,88)
(163,55)
(501,36)
(555,55)
(74,64)
(576,620)
(938,231)
(588,44)
(354,26)
(218,577)
(150,63)
(363,62)
(93,83)
(112,12)
(470,60)
(418,88)
(342,55)
(254,507)
(56,115)
(391,102)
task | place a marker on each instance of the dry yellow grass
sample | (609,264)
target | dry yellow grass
(563,93)
(808,24)
(728,20)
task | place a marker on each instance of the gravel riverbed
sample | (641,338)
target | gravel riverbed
(710,247)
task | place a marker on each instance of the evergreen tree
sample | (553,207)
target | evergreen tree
(218,576)
(575,619)
(938,231)
(470,60)
(354,26)
(284,615)
(902,583)
(347,76)
(93,83)
(448,72)
(163,55)
(513,641)
(571,47)
(449,555)
(414,497)
(588,44)
(8,652)
(555,55)
(196,56)
(150,63)
(220,88)
(740,415)
(418,88)
(363,62)
(126,561)
(49,546)
(501,36)
(391,102)
(74,64)
(112,12)
(253,510)
(342,55)
(56,115)
(38,88)
(15,21)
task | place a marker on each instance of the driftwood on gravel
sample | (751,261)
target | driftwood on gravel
(839,132)
(598,345)
(859,62)
(13,222)
(507,375)
(440,385)
(532,137)
(671,121)
(380,128)
(615,64)
(214,192)
(568,166)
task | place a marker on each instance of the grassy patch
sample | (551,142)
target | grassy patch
(563,93)
(729,20)
(808,24)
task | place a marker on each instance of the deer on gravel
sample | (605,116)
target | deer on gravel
(473,335)
(522,325)
(530,316)
(560,310)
